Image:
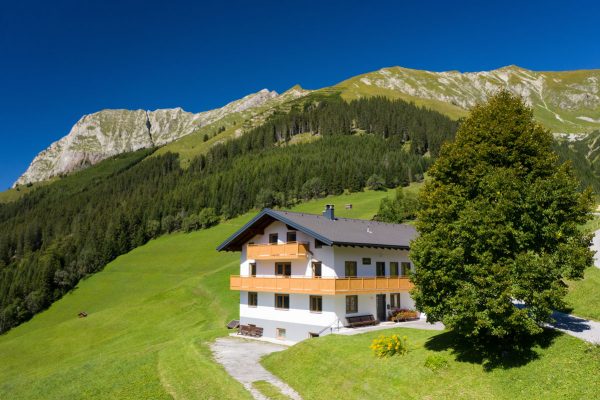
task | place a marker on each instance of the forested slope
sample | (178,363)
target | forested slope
(57,234)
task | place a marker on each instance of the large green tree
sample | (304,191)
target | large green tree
(498,227)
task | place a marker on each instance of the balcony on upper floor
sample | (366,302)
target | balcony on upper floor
(321,286)
(278,251)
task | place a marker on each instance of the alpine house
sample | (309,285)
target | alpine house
(301,275)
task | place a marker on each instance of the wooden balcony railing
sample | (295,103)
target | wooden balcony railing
(282,251)
(323,286)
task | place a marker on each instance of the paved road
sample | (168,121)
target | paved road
(596,247)
(583,329)
(241,359)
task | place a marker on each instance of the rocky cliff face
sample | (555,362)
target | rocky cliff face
(567,101)
(106,133)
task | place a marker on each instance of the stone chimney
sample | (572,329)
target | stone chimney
(328,213)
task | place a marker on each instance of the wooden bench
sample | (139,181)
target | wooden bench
(361,320)
(251,330)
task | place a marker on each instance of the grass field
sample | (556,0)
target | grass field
(327,367)
(584,295)
(151,314)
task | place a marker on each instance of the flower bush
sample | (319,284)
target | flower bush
(404,315)
(386,346)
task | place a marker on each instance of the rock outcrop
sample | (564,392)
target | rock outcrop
(106,133)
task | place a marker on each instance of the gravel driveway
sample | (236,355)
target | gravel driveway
(241,359)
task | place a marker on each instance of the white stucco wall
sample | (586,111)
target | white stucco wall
(299,321)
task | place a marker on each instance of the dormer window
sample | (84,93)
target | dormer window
(291,236)
(273,238)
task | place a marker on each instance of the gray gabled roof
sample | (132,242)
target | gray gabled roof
(337,232)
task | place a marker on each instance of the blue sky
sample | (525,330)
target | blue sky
(62,59)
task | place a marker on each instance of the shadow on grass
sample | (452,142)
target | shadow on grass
(496,355)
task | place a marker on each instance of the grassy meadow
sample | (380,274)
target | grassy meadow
(560,367)
(151,314)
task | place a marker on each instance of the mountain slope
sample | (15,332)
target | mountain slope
(106,133)
(567,101)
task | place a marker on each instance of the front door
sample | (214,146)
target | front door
(381,307)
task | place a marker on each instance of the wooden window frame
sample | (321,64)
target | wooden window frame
(366,261)
(287,236)
(394,268)
(283,296)
(315,301)
(346,263)
(253,295)
(252,269)
(284,269)
(393,298)
(405,268)
(273,235)
(379,264)
(352,306)
(314,269)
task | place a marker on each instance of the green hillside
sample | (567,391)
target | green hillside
(562,101)
(151,313)
(561,367)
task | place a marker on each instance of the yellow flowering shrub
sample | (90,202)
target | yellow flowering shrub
(386,346)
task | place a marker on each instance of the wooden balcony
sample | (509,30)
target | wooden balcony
(280,251)
(322,286)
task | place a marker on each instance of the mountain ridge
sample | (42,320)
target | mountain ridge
(566,102)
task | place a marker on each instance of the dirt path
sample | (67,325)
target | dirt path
(241,359)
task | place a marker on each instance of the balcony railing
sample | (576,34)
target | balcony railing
(323,286)
(278,251)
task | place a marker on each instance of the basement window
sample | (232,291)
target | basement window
(280,333)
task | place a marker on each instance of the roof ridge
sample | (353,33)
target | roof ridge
(344,218)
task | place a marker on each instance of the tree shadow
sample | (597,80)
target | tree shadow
(493,355)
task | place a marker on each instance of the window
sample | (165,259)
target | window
(366,261)
(280,333)
(282,301)
(273,238)
(318,244)
(380,268)
(283,269)
(405,268)
(252,299)
(253,269)
(394,269)
(291,236)
(316,269)
(350,268)
(316,303)
(351,304)
(395,300)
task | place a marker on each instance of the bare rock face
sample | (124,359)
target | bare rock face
(107,133)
